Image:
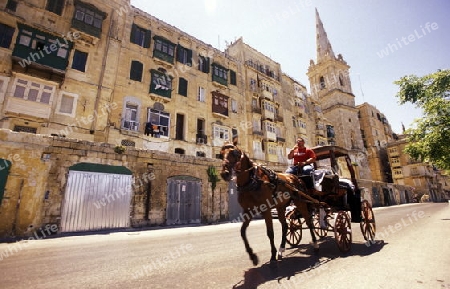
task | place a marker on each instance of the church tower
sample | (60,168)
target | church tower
(331,88)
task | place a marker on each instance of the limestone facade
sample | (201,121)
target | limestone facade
(89,76)
(330,85)
(424,177)
(39,166)
(376,134)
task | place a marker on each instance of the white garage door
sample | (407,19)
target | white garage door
(95,201)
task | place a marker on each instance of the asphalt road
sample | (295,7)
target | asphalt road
(412,251)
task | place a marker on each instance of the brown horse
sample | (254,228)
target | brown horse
(259,190)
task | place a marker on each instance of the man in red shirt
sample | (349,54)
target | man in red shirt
(303,159)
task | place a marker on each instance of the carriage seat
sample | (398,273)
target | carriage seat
(325,181)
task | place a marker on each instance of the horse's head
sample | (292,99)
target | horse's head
(230,155)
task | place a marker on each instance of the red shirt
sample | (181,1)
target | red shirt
(302,154)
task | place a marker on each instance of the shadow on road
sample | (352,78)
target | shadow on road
(304,263)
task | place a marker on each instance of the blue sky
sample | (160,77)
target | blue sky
(382,40)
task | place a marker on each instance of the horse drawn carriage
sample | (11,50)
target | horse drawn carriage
(338,196)
(322,201)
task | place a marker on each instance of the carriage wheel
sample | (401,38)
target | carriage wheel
(321,233)
(343,231)
(294,232)
(367,224)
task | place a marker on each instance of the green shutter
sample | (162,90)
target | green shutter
(232,77)
(178,52)
(133,33)
(148,36)
(207,65)
(99,168)
(182,86)
(189,57)
(4,171)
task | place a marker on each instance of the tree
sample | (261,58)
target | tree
(429,138)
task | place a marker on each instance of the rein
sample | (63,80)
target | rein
(254,182)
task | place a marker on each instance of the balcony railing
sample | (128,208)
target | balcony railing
(267,114)
(281,139)
(130,125)
(201,139)
(256,109)
(257,131)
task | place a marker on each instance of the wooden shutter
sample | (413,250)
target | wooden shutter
(133,33)
(182,86)
(148,35)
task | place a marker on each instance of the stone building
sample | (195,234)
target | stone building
(424,177)
(376,134)
(101,90)
(279,108)
(330,85)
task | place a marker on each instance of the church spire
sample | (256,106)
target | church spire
(323,44)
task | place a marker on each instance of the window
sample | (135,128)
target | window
(182,86)
(201,137)
(55,6)
(184,55)
(257,148)
(341,79)
(27,129)
(256,125)
(160,122)
(203,64)
(130,120)
(88,19)
(220,74)
(271,148)
(79,60)
(180,151)
(322,83)
(11,5)
(161,83)
(67,104)
(140,36)
(234,133)
(128,143)
(36,46)
(164,49)
(268,106)
(234,106)
(253,84)
(6,34)
(270,126)
(221,132)
(233,77)
(331,134)
(200,154)
(32,91)
(201,94)
(136,70)
(220,103)
(179,129)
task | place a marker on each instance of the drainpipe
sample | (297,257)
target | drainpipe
(102,75)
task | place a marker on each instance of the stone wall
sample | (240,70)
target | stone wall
(385,194)
(40,165)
